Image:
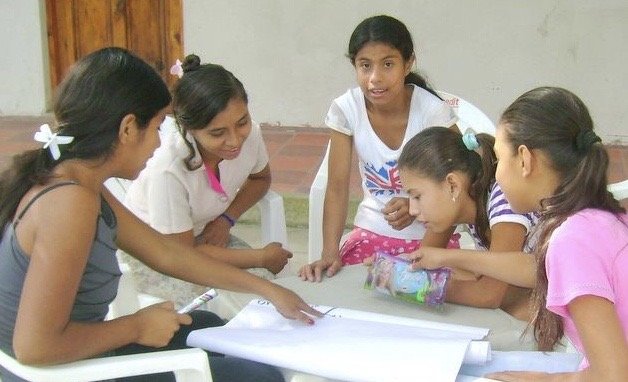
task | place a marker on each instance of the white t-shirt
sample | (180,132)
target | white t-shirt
(378,162)
(173,199)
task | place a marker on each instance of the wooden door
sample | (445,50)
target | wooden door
(152,29)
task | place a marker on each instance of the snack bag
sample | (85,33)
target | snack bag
(392,275)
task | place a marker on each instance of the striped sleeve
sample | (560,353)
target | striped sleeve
(499,211)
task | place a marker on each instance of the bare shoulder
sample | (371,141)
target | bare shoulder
(47,204)
(69,198)
(55,213)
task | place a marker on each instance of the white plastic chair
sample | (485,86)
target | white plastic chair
(188,365)
(469,117)
(619,189)
(128,300)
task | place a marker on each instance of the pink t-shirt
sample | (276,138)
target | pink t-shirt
(588,255)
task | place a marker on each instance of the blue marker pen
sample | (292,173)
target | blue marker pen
(200,300)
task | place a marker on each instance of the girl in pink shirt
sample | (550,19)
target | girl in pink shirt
(552,162)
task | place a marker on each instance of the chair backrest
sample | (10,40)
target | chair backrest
(619,189)
(469,117)
(127,299)
(118,187)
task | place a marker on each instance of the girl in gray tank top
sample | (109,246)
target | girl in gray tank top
(98,285)
(61,228)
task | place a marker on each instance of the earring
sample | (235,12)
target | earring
(453,199)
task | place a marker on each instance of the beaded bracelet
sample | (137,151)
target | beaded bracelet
(228,218)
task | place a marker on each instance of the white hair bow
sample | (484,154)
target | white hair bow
(52,140)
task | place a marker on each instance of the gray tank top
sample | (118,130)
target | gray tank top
(98,286)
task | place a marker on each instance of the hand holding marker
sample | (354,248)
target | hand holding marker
(200,300)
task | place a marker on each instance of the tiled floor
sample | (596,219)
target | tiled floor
(295,156)
(295,153)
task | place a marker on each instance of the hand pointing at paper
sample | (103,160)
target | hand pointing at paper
(291,306)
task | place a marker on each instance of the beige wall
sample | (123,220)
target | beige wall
(23,78)
(290,54)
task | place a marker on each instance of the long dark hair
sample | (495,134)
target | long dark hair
(438,151)
(557,122)
(202,93)
(388,30)
(98,92)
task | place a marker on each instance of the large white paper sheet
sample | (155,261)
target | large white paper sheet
(549,362)
(348,345)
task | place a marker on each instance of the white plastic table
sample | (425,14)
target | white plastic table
(346,290)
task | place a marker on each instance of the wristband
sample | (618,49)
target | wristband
(228,218)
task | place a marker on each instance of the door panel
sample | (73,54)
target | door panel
(144,22)
(152,29)
(91,25)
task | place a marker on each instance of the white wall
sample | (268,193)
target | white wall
(23,77)
(290,54)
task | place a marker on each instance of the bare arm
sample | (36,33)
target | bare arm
(44,333)
(158,252)
(335,208)
(438,240)
(603,340)
(216,232)
(487,291)
(337,193)
(496,267)
(272,257)
(514,267)
(251,192)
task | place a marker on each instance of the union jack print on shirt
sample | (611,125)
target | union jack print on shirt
(382,181)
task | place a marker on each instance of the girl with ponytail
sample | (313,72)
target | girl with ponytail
(390,105)
(551,162)
(61,229)
(450,179)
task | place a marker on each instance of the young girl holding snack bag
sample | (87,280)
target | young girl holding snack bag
(450,178)
(61,229)
(390,105)
(552,162)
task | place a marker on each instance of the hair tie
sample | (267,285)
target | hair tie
(470,141)
(52,140)
(585,139)
(177,69)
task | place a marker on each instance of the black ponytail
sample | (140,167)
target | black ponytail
(27,169)
(100,90)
